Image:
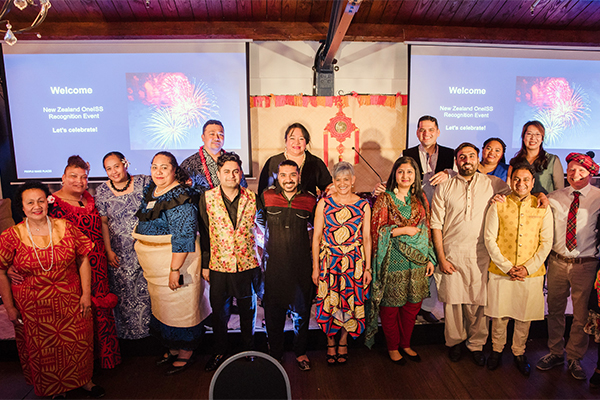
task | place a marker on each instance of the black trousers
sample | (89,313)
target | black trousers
(223,288)
(275,314)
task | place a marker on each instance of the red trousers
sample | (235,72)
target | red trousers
(398,324)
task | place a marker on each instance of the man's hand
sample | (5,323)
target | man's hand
(498,198)
(438,178)
(446,267)
(14,277)
(206,274)
(542,200)
(518,273)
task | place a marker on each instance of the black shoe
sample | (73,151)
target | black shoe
(522,365)
(173,370)
(494,360)
(455,353)
(415,358)
(478,358)
(96,392)
(214,362)
(401,361)
(428,316)
(169,358)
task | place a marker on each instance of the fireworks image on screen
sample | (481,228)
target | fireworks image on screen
(175,104)
(562,106)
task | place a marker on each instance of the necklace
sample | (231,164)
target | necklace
(301,164)
(112,185)
(160,192)
(77,200)
(35,247)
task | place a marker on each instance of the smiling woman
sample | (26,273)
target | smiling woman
(117,201)
(74,203)
(51,255)
(313,171)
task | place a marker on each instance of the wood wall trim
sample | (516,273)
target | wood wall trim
(312,31)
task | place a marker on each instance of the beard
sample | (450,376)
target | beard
(466,171)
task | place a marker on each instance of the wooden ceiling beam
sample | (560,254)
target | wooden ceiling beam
(313,31)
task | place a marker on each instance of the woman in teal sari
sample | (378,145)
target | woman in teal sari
(403,260)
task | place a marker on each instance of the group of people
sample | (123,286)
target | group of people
(159,254)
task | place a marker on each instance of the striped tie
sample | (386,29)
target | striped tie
(571,240)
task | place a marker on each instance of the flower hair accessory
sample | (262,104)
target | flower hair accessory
(125,163)
(50,199)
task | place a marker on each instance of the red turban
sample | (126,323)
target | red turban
(585,161)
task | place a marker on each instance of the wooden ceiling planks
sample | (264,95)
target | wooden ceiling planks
(390,11)
(273,10)
(138,8)
(244,10)
(375,20)
(288,10)
(448,12)
(124,10)
(580,8)
(230,10)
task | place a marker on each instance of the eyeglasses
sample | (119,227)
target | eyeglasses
(535,135)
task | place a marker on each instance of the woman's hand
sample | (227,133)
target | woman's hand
(15,278)
(405,230)
(113,259)
(315,276)
(85,305)
(174,280)
(367,277)
(429,269)
(14,316)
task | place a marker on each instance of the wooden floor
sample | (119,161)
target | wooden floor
(368,375)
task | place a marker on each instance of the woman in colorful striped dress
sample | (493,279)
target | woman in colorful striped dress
(341,263)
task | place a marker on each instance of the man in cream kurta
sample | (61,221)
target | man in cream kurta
(457,213)
(518,236)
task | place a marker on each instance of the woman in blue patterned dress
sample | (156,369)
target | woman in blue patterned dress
(341,262)
(117,201)
(168,250)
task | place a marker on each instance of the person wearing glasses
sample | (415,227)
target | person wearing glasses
(549,173)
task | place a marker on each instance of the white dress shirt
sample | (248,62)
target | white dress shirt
(587,218)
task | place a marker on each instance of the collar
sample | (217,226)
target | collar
(584,191)
(224,196)
(423,150)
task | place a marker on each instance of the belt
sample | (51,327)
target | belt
(573,260)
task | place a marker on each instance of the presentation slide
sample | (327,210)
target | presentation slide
(482,92)
(90,98)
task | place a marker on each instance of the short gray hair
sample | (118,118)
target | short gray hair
(343,167)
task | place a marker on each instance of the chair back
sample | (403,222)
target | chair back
(239,378)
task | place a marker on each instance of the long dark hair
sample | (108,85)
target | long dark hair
(541,162)
(416,188)
(181,175)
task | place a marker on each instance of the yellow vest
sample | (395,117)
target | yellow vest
(231,250)
(519,226)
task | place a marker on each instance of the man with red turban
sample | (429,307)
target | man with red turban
(572,263)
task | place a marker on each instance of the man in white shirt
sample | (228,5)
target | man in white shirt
(457,215)
(572,263)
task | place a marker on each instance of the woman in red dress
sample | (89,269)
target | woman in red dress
(74,203)
(52,308)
